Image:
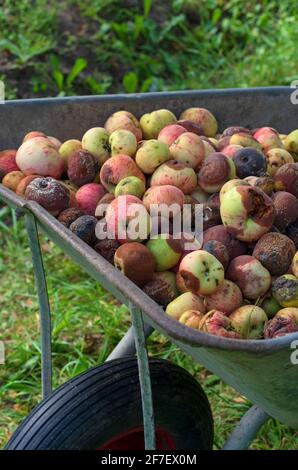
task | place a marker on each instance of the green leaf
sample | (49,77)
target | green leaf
(146,85)
(138,26)
(130,82)
(79,65)
(216,16)
(98,87)
(147,7)
(54,62)
(59,79)
(175,21)
(9,46)
(122,30)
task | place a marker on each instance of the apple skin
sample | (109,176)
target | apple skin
(8,162)
(220,233)
(82,168)
(84,228)
(250,162)
(191,126)
(96,141)
(291,141)
(270,306)
(245,140)
(268,138)
(21,188)
(292,233)
(68,148)
(56,142)
(124,120)
(68,216)
(123,211)
(230,185)
(188,149)
(247,213)
(184,302)
(38,156)
(216,170)
(122,141)
(175,174)
(217,323)
(166,251)
(285,290)
(130,185)
(286,209)
(151,154)
(152,123)
(136,262)
(231,130)
(275,251)
(88,196)
(49,193)
(294,264)
(200,272)
(226,299)
(282,324)
(249,321)
(12,180)
(199,195)
(191,318)
(116,168)
(203,117)
(219,250)
(32,134)
(286,179)
(167,195)
(288,312)
(231,150)
(250,275)
(162,288)
(170,133)
(276,158)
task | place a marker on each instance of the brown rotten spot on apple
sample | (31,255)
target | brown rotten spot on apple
(275,251)
(136,262)
(229,131)
(286,179)
(191,126)
(215,171)
(247,213)
(258,205)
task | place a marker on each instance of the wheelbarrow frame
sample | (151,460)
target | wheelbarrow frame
(146,315)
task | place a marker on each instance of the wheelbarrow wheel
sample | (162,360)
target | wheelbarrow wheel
(101,409)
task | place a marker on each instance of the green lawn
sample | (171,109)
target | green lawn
(107,46)
(87,324)
(99,46)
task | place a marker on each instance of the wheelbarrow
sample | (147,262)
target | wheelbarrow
(262,370)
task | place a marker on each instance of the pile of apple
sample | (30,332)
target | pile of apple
(242,282)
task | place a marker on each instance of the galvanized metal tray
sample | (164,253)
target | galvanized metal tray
(261,370)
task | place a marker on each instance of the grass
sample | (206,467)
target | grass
(100,46)
(87,325)
(59,47)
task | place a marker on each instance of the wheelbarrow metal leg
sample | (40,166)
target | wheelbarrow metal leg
(144,375)
(247,429)
(127,345)
(44,305)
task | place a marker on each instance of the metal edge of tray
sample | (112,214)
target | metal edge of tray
(71,117)
(158,96)
(126,291)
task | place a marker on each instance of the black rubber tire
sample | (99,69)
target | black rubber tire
(92,408)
